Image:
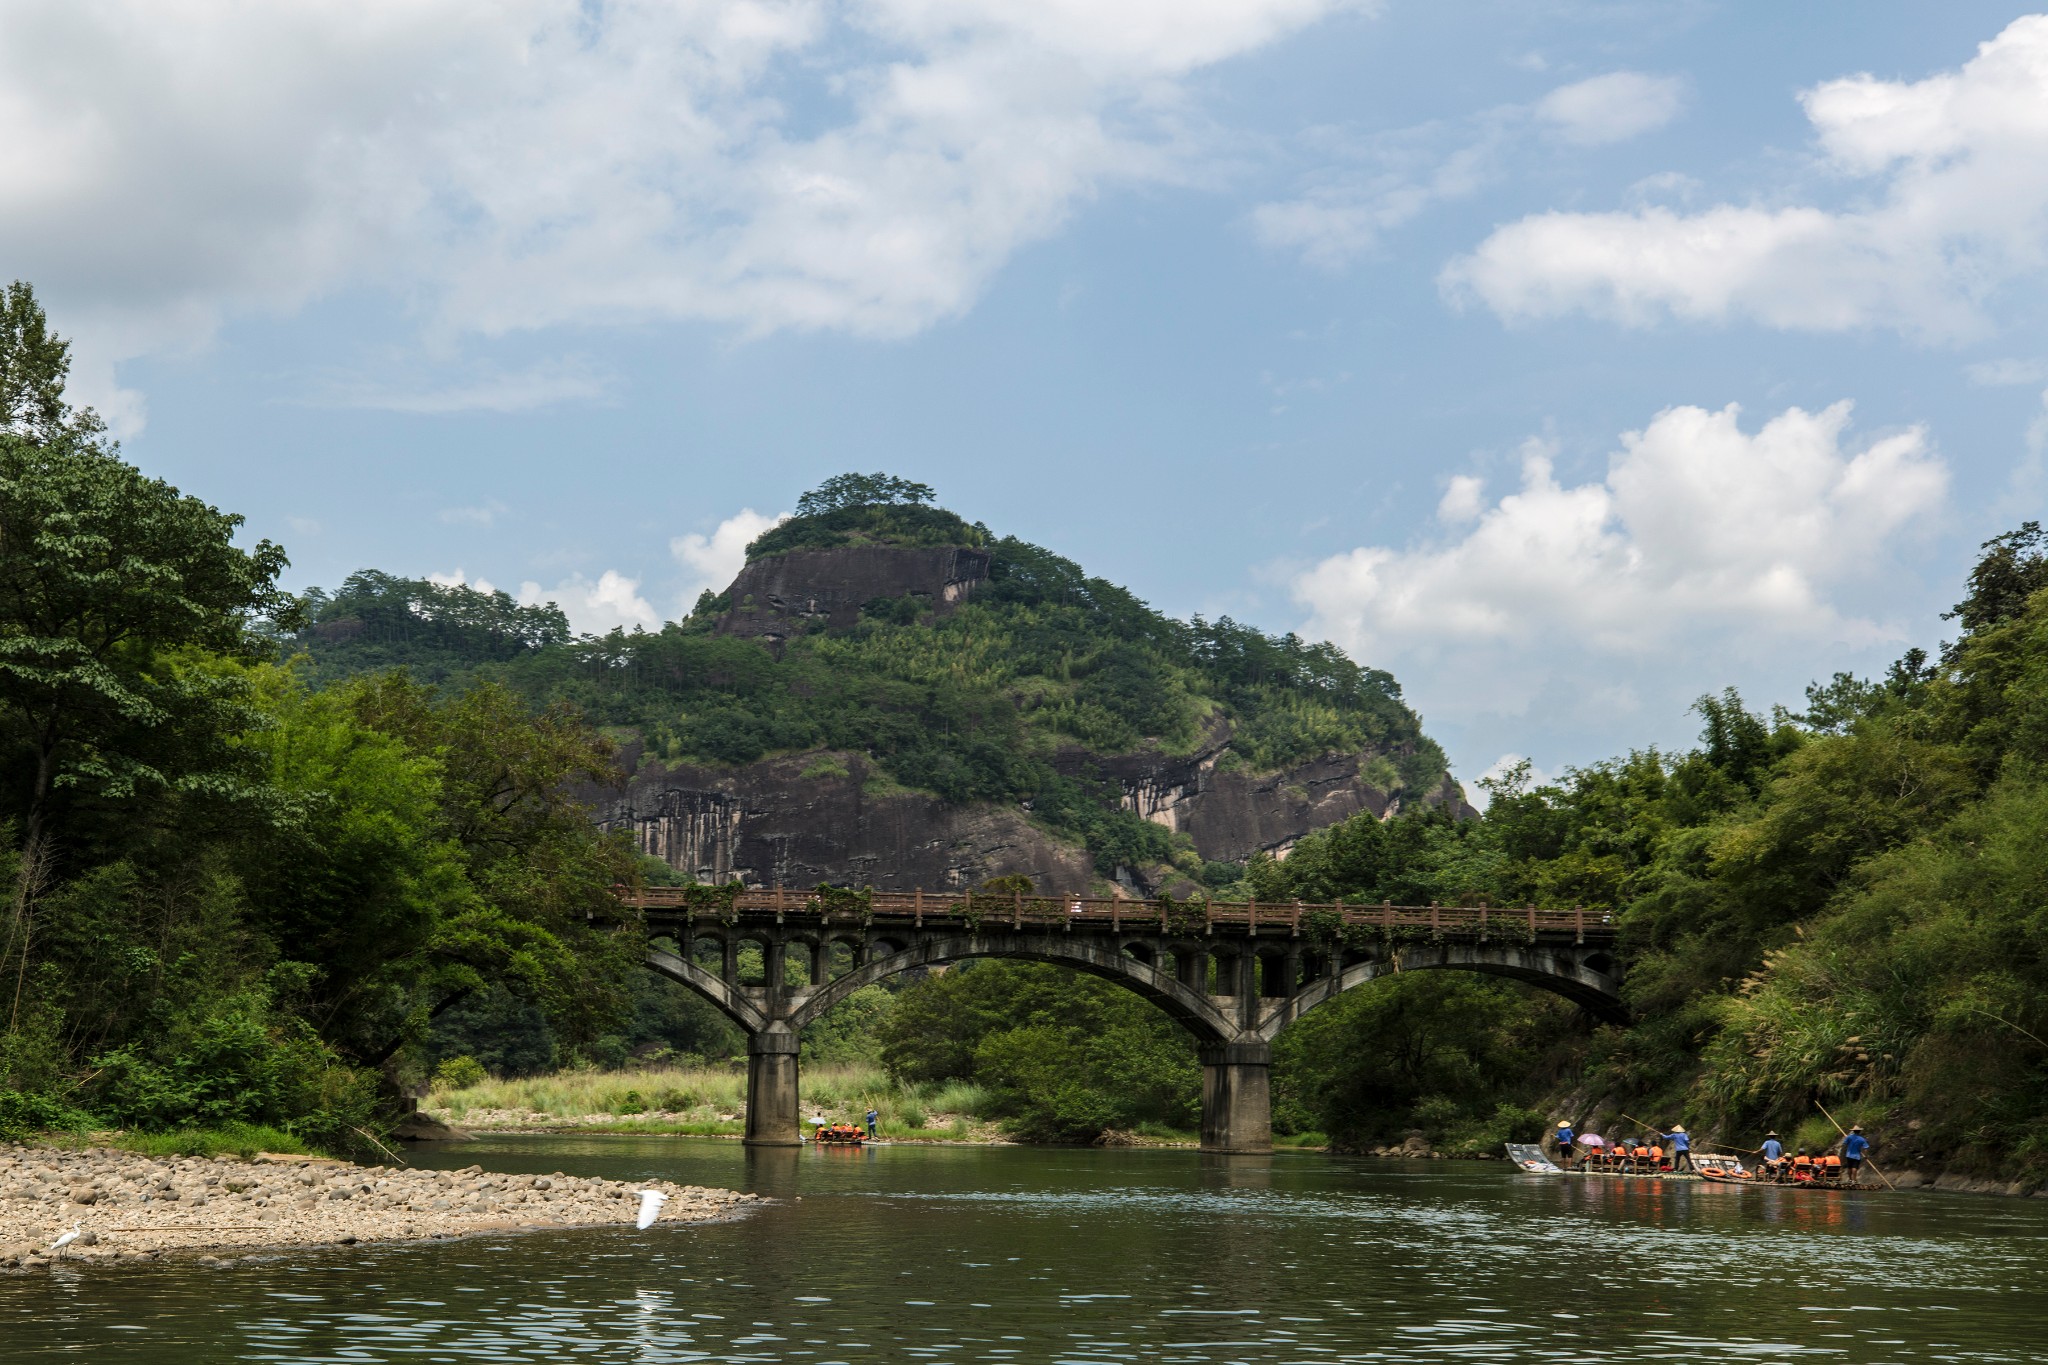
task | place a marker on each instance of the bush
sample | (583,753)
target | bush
(459,1073)
(24,1114)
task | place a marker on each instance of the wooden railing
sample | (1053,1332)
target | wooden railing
(998,909)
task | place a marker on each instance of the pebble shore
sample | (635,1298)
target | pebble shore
(138,1208)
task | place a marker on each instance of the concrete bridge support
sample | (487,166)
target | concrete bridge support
(1237,1097)
(772,1116)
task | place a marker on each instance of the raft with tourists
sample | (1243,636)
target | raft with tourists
(1838,1168)
(839,1135)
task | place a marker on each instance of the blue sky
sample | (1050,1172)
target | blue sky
(1413,326)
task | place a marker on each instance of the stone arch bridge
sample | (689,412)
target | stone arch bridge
(1232,973)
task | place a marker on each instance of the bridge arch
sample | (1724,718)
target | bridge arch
(730,999)
(1192,1010)
(1562,973)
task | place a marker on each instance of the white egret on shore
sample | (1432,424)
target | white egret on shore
(650,1207)
(66,1239)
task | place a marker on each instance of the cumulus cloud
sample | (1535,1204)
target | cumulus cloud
(1612,108)
(715,560)
(505,164)
(1700,538)
(1380,182)
(1957,206)
(594,607)
(459,579)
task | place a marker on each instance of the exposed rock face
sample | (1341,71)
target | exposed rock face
(1233,813)
(769,825)
(777,597)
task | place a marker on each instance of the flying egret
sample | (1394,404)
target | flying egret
(66,1239)
(650,1208)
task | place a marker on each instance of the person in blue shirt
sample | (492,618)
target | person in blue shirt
(1853,1146)
(872,1116)
(1681,1148)
(1773,1152)
(1565,1137)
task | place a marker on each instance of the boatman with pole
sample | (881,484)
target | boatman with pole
(1564,1143)
(1853,1145)
(1681,1148)
(1773,1152)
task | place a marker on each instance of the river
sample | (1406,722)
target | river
(1010,1254)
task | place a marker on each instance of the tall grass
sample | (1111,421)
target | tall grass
(241,1139)
(699,1099)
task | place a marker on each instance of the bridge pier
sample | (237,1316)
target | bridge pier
(772,1117)
(1237,1097)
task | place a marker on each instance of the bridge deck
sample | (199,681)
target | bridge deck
(998,910)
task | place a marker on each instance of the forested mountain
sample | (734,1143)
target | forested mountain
(894,643)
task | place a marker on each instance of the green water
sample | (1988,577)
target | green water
(933,1254)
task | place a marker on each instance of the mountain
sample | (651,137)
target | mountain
(888,694)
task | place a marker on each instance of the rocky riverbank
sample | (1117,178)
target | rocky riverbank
(127,1207)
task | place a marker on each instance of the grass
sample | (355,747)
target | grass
(709,1101)
(240,1139)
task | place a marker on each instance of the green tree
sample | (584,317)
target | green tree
(108,580)
(861,490)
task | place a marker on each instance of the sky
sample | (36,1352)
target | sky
(1568,360)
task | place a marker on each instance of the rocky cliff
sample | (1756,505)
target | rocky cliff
(798,820)
(779,596)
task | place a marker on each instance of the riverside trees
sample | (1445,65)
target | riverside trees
(232,898)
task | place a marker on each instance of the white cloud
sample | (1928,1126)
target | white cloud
(1505,767)
(1612,108)
(486,514)
(545,384)
(1960,208)
(594,608)
(458,579)
(1462,500)
(863,165)
(2007,372)
(1350,211)
(1702,540)
(715,560)
(1382,181)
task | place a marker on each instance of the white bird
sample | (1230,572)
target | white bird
(66,1239)
(650,1208)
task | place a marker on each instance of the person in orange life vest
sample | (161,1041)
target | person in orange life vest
(1830,1169)
(1657,1157)
(1802,1166)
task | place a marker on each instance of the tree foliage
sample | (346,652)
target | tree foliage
(236,898)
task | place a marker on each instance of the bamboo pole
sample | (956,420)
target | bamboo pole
(1845,1133)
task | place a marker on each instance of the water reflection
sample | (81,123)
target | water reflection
(1002,1255)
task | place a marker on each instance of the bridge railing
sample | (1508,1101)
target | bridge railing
(1015,910)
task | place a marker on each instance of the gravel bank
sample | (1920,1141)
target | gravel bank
(133,1207)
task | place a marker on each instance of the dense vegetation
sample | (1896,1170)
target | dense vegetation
(971,705)
(233,899)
